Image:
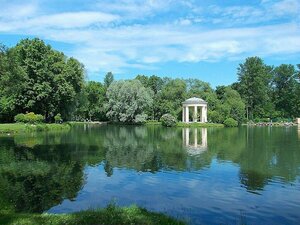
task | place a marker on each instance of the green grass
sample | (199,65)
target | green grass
(111,215)
(12,128)
(181,124)
(153,122)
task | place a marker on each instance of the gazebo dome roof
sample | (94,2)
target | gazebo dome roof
(194,100)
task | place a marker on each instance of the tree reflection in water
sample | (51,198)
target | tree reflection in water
(38,171)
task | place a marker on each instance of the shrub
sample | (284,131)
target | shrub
(29,118)
(229,122)
(168,120)
(20,118)
(140,118)
(58,118)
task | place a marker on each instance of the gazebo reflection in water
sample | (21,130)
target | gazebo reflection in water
(194,140)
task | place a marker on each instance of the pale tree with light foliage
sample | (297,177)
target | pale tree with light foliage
(128,101)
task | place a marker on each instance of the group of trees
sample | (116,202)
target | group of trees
(268,91)
(36,78)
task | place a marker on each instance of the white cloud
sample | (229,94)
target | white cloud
(141,46)
(286,7)
(105,40)
(136,8)
(17,11)
(60,21)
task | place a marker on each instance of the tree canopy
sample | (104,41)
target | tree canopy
(36,78)
(128,101)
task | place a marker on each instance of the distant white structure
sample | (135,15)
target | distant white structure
(195,103)
(298,121)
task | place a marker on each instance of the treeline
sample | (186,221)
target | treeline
(36,78)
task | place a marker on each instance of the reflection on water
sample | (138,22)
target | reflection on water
(191,142)
(209,176)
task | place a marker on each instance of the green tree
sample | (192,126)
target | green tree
(170,98)
(41,80)
(108,79)
(155,83)
(285,90)
(232,105)
(254,86)
(128,101)
(95,93)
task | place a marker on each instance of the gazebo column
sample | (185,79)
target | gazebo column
(202,115)
(205,114)
(187,120)
(183,115)
(195,114)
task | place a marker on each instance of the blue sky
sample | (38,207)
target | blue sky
(204,39)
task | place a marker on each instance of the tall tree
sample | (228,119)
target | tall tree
(42,80)
(170,98)
(128,101)
(232,105)
(254,86)
(95,93)
(108,79)
(285,90)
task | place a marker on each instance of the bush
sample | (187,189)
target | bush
(58,118)
(168,120)
(29,118)
(140,119)
(20,118)
(229,122)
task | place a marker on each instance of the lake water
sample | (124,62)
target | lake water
(204,176)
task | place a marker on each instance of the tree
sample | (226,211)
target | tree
(232,105)
(41,80)
(108,79)
(128,101)
(170,98)
(254,87)
(154,83)
(285,90)
(95,93)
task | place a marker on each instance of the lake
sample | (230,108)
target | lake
(204,176)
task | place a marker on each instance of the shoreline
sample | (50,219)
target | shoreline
(16,128)
(112,214)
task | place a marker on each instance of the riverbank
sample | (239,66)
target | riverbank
(275,124)
(13,128)
(181,124)
(112,215)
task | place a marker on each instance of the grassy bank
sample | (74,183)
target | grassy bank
(111,215)
(181,124)
(12,128)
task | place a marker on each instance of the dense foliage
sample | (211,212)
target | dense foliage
(128,101)
(168,120)
(229,122)
(36,78)
(29,118)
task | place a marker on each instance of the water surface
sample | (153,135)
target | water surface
(204,176)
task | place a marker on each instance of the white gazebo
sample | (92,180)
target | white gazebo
(195,103)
